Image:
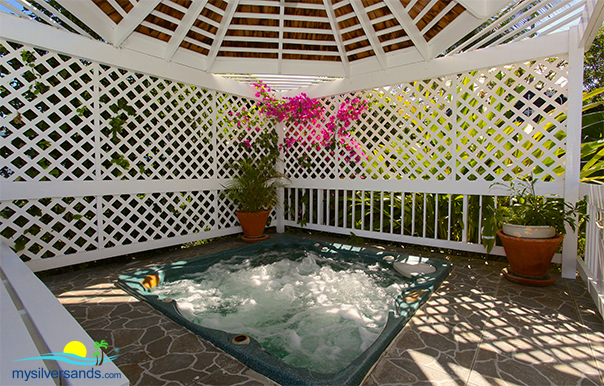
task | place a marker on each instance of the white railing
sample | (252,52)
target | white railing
(591,267)
(74,190)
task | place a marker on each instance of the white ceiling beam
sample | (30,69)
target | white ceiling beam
(132,20)
(591,22)
(91,16)
(222,30)
(410,28)
(478,8)
(184,27)
(335,28)
(378,50)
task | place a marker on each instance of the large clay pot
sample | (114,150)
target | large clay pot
(530,258)
(253,224)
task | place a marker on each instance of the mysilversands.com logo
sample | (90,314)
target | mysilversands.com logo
(75,353)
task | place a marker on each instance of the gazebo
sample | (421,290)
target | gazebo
(464,93)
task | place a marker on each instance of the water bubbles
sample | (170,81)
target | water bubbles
(307,310)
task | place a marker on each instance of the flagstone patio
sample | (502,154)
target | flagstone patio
(477,329)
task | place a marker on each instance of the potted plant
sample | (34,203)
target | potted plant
(532,229)
(254,190)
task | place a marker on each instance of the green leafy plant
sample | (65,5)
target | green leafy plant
(254,189)
(121,108)
(525,207)
(29,59)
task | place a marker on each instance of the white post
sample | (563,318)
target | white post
(573,147)
(281,168)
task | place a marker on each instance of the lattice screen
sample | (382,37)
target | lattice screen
(491,124)
(63,132)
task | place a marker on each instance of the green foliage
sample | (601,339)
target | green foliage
(254,189)
(121,108)
(120,161)
(30,60)
(593,75)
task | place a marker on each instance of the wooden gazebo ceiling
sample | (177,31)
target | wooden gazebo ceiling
(312,37)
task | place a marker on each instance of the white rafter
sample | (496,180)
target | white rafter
(410,28)
(337,36)
(478,8)
(378,50)
(591,21)
(222,30)
(132,20)
(91,16)
(183,27)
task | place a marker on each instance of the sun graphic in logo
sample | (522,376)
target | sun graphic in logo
(75,347)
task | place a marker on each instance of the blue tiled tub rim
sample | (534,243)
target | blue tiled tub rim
(253,355)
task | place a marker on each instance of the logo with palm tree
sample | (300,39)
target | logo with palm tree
(98,352)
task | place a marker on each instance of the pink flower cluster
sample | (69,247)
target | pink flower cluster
(308,115)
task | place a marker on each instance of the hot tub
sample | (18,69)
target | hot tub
(298,311)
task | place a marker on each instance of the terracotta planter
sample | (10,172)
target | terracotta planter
(529,232)
(530,258)
(253,224)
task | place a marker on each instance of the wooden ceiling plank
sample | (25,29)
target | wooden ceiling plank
(425,11)
(397,40)
(410,28)
(156,28)
(410,5)
(281,25)
(310,52)
(92,16)
(166,17)
(222,30)
(184,27)
(591,21)
(118,8)
(378,50)
(197,43)
(382,19)
(337,34)
(132,20)
(209,21)
(359,50)
(385,31)
(268,28)
(437,18)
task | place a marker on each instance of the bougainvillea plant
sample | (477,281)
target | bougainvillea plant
(308,115)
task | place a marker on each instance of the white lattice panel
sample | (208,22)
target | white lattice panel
(43,136)
(169,137)
(507,121)
(407,134)
(50,226)
(230,145)
(305,157)
(137,218)
(492,125)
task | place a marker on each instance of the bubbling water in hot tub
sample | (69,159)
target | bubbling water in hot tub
(308,310)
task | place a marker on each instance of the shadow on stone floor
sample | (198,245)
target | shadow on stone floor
(477,329)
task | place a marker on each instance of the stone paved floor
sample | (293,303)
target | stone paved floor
(478,329)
